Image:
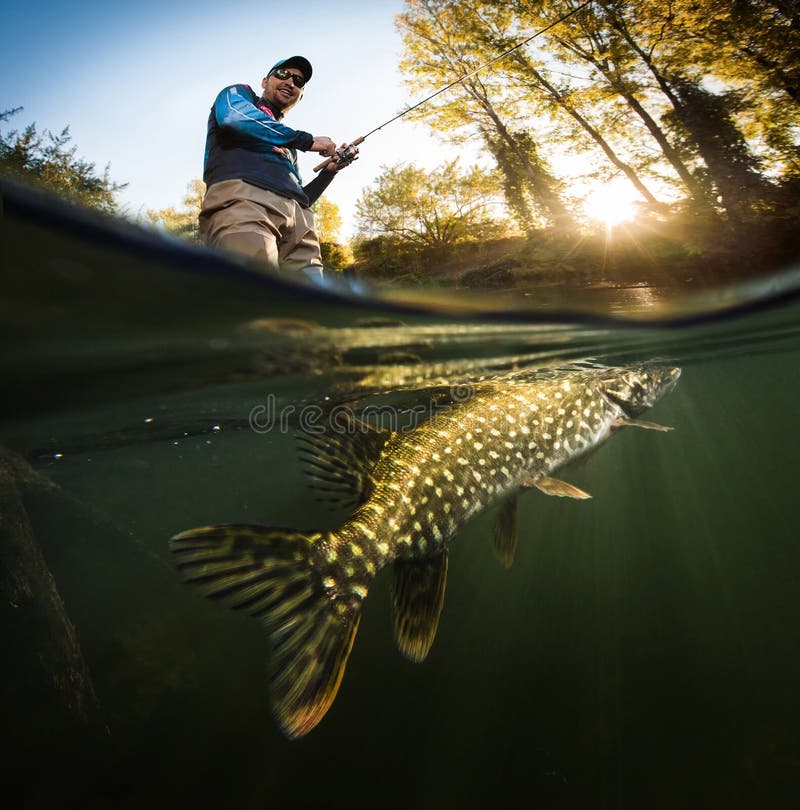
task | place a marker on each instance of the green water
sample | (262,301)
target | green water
(643,651)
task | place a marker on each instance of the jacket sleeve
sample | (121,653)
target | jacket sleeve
(315,188)
(234,108)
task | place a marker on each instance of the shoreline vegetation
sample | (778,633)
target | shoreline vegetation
(678,250)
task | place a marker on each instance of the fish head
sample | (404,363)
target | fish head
(637,388)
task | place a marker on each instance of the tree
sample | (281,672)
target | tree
(548,93)
(328,222)
(705,118)
(588,37)
(182,222)
(327,219)
(47,161)
(444,43)
(430,209)
(750,49)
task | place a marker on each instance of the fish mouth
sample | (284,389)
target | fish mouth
(671,376)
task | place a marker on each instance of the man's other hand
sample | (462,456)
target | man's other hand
(324,145)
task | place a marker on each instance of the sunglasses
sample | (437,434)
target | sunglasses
(283,74)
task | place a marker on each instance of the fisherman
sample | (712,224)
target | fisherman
(255,204)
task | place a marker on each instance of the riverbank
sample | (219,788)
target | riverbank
(673,253)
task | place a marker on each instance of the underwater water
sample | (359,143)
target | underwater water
(642,650)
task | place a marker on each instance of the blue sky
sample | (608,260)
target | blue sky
(135,83)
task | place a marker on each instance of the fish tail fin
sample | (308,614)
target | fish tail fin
(278,576)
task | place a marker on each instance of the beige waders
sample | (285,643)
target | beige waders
(275,232)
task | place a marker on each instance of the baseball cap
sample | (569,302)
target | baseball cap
(300,62)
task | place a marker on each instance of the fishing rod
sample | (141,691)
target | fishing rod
(347,154)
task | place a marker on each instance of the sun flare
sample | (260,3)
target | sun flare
(612,204)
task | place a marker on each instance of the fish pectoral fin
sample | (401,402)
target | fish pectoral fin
(556,487)
(641,423)
(417,599)
(267,573)
(504,535)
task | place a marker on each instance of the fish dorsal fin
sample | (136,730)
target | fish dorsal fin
(417,600)
(504,534)
(338,463)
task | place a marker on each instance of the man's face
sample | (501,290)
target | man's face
(282,93)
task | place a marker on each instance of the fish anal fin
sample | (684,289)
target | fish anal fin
(556,487)
(504,534)
(271,574)
(642,423)
(417,598)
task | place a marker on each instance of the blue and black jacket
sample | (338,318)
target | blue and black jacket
(246,141)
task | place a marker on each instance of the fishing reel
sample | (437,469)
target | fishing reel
(345,155)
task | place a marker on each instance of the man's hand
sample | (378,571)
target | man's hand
(324,145)
(345,155)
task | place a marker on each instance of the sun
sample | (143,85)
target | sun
(612,204)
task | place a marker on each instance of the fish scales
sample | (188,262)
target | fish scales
(433,480)
(307,588)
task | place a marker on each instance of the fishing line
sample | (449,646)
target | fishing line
(441,90)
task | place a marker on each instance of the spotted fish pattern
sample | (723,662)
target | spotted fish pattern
(411,493)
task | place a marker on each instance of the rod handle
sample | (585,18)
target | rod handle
(325,162)
(320,166)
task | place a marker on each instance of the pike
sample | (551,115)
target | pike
(412,492)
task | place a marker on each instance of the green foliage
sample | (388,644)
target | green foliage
(182,222)
(385,257)
(430,209)
(47,161)
(335,256)
(328,222)
(327,219)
